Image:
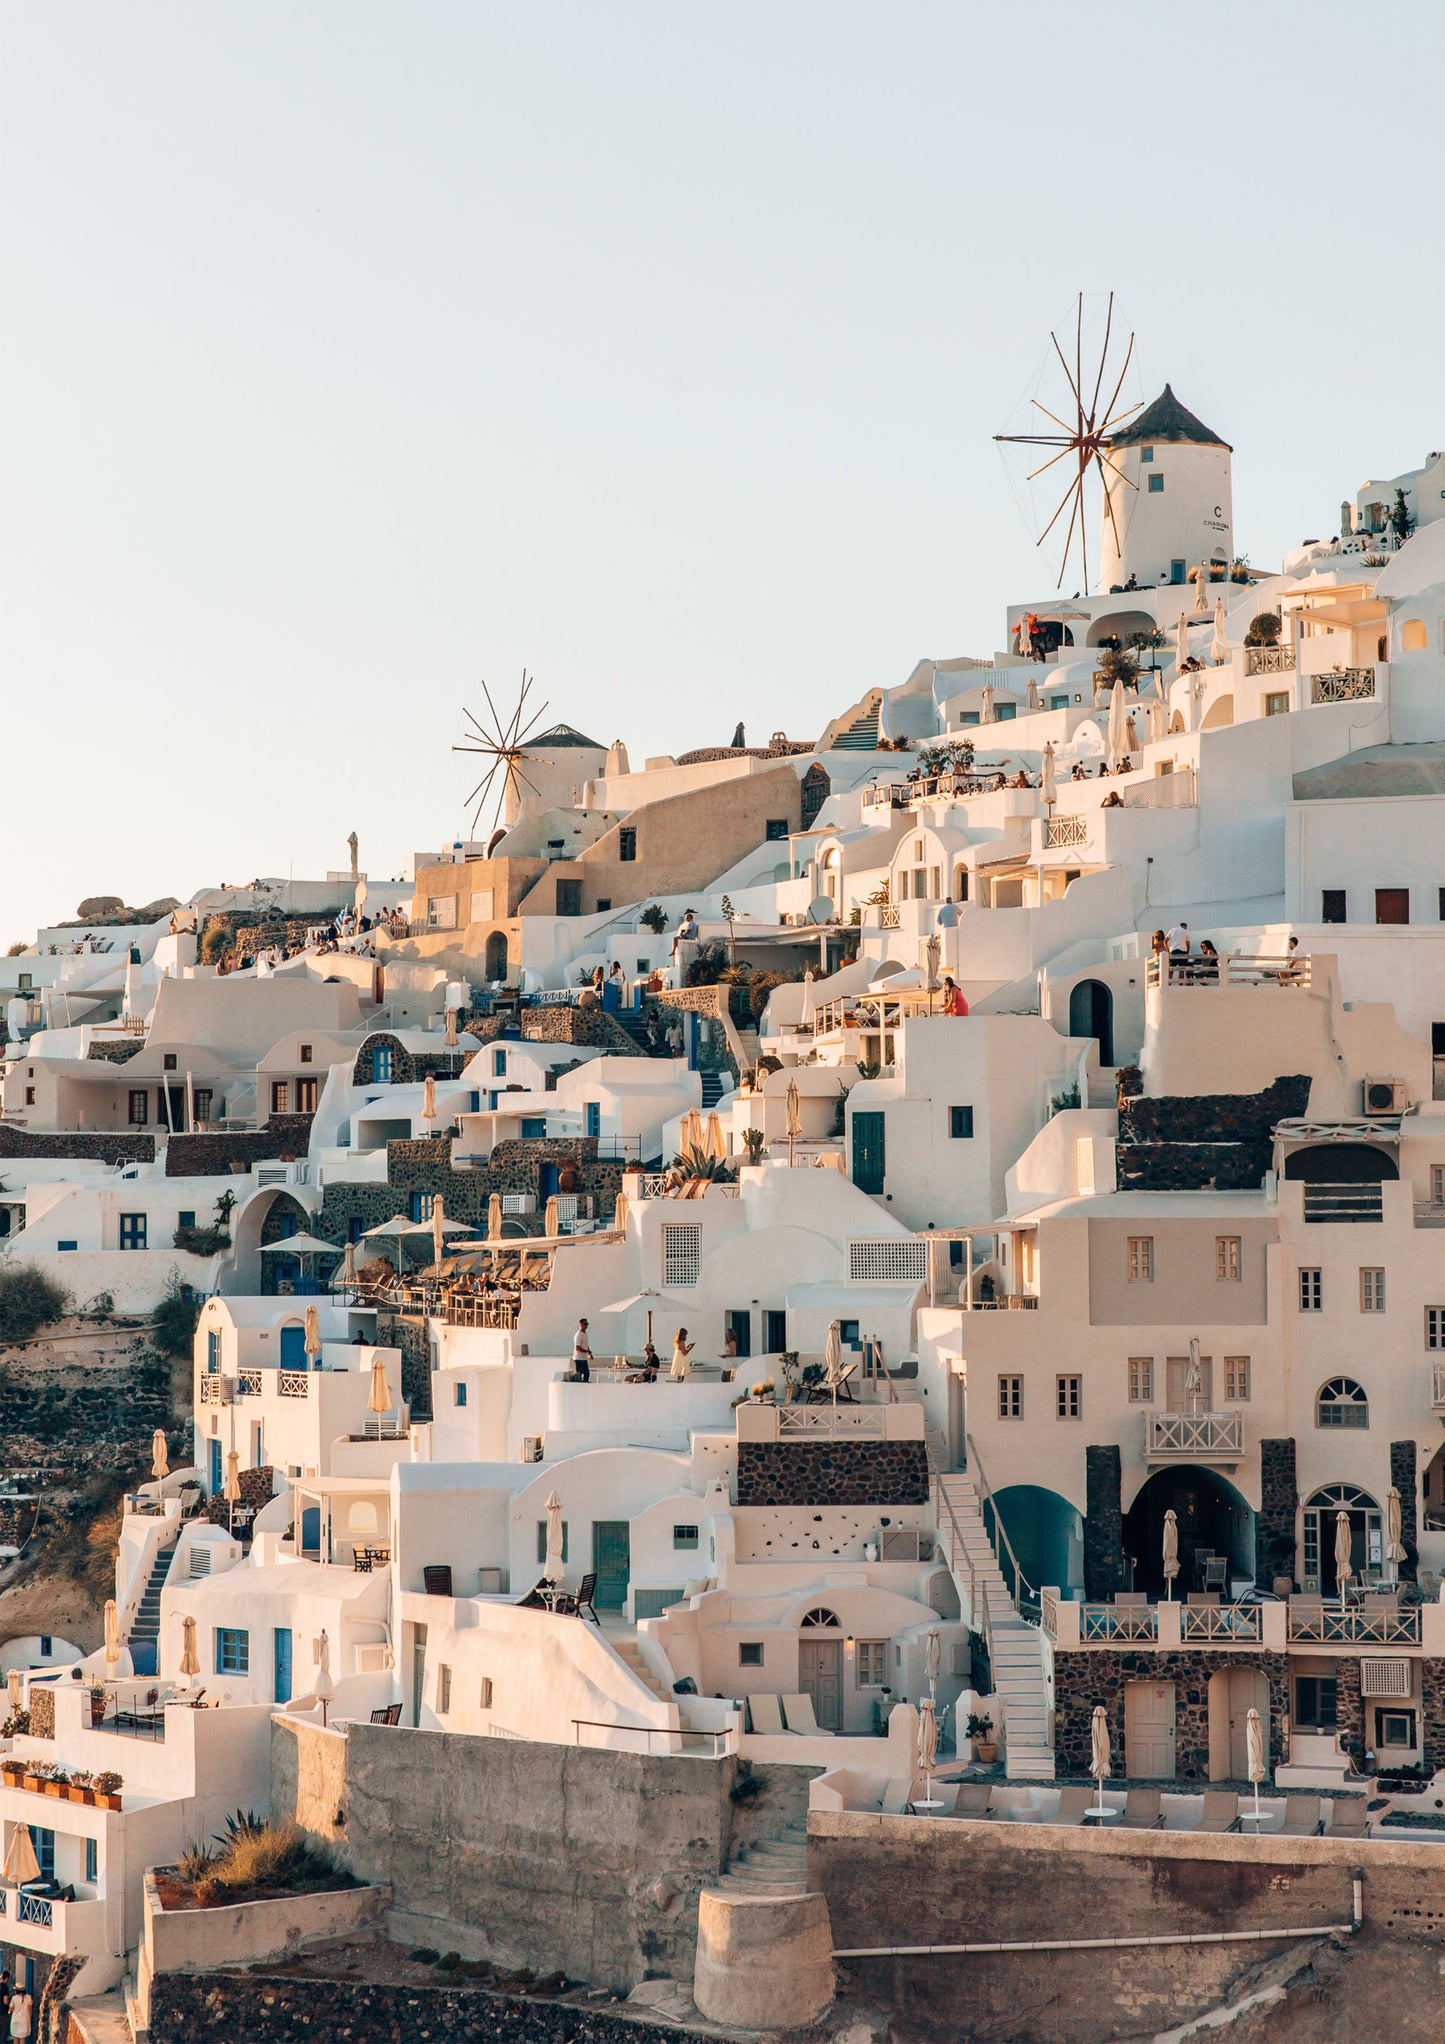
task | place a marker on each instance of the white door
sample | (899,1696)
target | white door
(1149,1730)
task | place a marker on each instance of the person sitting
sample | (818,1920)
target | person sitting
(1080,772)
(1207,968)
(953,998)
(1113,800)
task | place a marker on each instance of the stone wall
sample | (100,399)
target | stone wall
(1350,1711)
(425,1165)
(286,2010)
(223,1153)
(258,1487)
(1104,1566)
(1184,1142)
(1279,1503)
(1099,1675)
(408,1068)
(1432,1712)
(410,1336)
(115,1050)
(1402,1476)
(96,1145)
(803,1472)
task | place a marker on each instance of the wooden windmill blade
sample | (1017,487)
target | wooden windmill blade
(501,741)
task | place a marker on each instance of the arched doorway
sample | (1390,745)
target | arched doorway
(1320,1574)
(495,961)
(1342,1164)
(1220,711)
(1045,1533)
(1233,1693)
(1212,1518)
(1091,1013)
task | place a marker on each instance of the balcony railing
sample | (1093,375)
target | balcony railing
(1163,791)
(1334,1626)
(1118,1621)
(1269,660)
(1437,1386)
(1344,685)
(834,1422)
(1065,830)
(1201,1436)
(248,1384)
(294,1383)
(1006,1302)
(1430,1213)
(1227,970)
(211,1393)
(1344,1203)
(1231,1623)
(887,918)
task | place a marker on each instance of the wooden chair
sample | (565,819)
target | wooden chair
(582,1602)
(1221,1811)
(1131,1600)
(1215,1570)
(389,1714)
(1142,1811)
(1209,1597)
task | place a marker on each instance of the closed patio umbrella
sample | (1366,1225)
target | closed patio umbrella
(1254,1751)
(1201,587)
(160,1460)
(932,1657)
(1394,1542)
(549,1217)
(325,1684)
(21,1865)
(1048,785)
(231,1488)
(429,1098)
(451,1030)
(927,1741)
(690,1133)
(313,1332)
(1099,1755)
(833,1357)
(378,1398)
(438,1220)
(1219,644)
(494,1217)
(619,1211)
(933,958)
(554,1567)
(1181,642)
(1171,1552)
(1344,1551)
(1118,736)
(714,1143)
(348,1265)
(112,1633)
(12,1687)
(809,1009)
(190,1659)
(986,710)
(795,1122)
(1157,719)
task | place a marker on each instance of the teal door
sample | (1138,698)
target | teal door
(868,1152)
(293,1347)
(612,1561)
(282,1691)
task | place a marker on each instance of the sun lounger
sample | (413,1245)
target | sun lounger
(1349,1818)
(766,1713)
(1221,1810)
(1301,1818)
(1074,1799)
(895,1798)
(974,1798)
(801,1717)
(1142,1811)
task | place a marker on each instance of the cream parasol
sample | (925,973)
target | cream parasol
(160,1459)
(554,1567)
(1171,1552)
(1099,1756)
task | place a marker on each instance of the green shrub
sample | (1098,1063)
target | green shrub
(29,1300)
(1264,630)
(174,1324)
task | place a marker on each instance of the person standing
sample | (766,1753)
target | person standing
(20,2007)
(582,1353)
(682,1348)
(1177,940)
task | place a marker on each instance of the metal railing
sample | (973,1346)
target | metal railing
(1065,830)
(480,1312)
(1350,1626)
(678,1740)
(834,1422)
(1269,660)
(1344,685)
(1343,1202)
(1000,1531)
(1230,1623)
(1118,1621)
(1206,1434)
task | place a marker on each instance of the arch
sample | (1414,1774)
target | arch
(819,1617)
(1341,1402)
(361,1519)
(1219,713)
(1046,1534)
(251,1225)
(495,957)
(1414,635)
(1091,1013)
(1342,1164)
(942,1595)
(1211,1516)
(1367,1536)
(1118,624)
(1176,724)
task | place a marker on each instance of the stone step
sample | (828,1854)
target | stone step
(727,1884)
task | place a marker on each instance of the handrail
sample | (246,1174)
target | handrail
(985,1493)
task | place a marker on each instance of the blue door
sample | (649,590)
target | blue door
(549,1177)
(282,1692)
(293,1348)
(311,1529)
(216,1477)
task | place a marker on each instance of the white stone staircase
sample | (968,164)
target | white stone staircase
(1015,1647)
(625,1646)
(771,1869)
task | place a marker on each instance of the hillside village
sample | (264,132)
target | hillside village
(1057,1042)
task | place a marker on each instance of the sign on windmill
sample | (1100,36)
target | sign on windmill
(502,741)
(1082,442)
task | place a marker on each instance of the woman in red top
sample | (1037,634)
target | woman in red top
(953,1001)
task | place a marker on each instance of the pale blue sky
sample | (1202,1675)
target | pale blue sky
(351,352)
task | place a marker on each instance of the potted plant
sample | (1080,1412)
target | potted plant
(107,1790)
(82,1786)
(978,1729)
(754,1142)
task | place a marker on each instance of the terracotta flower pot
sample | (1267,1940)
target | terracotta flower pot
(106,1802)
(31,1782)
(56,1788)
(986,1751)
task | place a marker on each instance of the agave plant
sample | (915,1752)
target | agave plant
(692,1166)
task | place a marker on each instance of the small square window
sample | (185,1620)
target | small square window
(459,1394)
(1010,1397)
(1226,1258)
(774,828)
(92,1859)
(1311,1291)
(684,1536)
(1276,703)
(1333,901)
(1146,454)
(1156,485)
(1372,1290)
(960,1121)
(305,1053)
(67,1245)
(168,1060)
(186,1218)
(750,1653)
(233,1651)
(1236,1380)
(872,1663)
(1070,1397)
(1141,1260)
(1435,1327)
(1141,1380)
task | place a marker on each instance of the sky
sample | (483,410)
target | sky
(351,355)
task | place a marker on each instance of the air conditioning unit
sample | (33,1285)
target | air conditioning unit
(900,1543)
(531,1447)
(1385,1096)
(371,1658)
(228,1390)
(519,1202)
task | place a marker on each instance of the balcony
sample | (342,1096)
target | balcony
(1333,1625)
(1061,831)
(1269,660)
(1342,1203)
(1437,1388)
(43,1923)
(1193,1437)
(1430,1213)
(1343,685)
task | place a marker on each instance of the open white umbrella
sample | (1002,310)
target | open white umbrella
(1048,784)
(1254,1751)
(927,1742)
(809,1009)
(1201,587)
(554,1567)
(932,1657)
(1394,1535)
(112,1633)
(21,1865)
(1219,648)
(1118,736)
(1344,1551)
(1171,1552)
(160,1459)
(190,1659)
(1099,1755)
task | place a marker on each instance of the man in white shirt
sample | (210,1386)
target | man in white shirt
(582,1353)
(1178,941)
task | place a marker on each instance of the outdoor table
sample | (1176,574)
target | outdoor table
(926,1806)
(1104,1816)
(1255,1816)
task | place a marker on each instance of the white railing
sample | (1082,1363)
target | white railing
(655,1185)
(897,1259)
(1269,660)
(1049,1612)
(834,1422)
(1065,830)
(887,918)
(1437,1386)
(211,1392)
(1348,1626)
(1226,970)
(1164,791)
(1231,1623)
(1207,1434)
(293,1383)
(1344,685)
(1118,1621)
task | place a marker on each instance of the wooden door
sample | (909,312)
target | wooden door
(820,1675)
(868,1153)
(1149,1730)
(418,1671)
(1248,1690)
(612,1561)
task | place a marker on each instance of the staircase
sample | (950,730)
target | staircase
(1015,1647)
(627,1649)
(712,1086)
(748,1038)
(145,1626)
(634,1022)
(770,1870)
(861,735)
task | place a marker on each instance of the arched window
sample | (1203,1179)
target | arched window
(1413,636)
(495,967)
(1320,1569)
(1342,1403)
(819,1616)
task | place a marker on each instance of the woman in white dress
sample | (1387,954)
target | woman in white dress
(682,1348)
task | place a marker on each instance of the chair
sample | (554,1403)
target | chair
(1142,1811)
(765,1713)
(586,1589)
(1302,1818)
(895,1799)
(974,1799)
(1074,1799)
(1208,1597)
(389,1714)
(1131,1600)
(1349,1818)
(1221,1811)
(1215,1569)
(802,1719)
(437,1580)
(534,1600)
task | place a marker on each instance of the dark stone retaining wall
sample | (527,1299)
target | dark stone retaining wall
(97,1145)
(1279,1502)
(423,1165)
(222,1153)
(228,2007)
(408,1068)
(1104,1568)
(115,1050)
(557,1022)
(258,1487)
(1181,1142)
(1432,1712)
(1099,1675)
(832,1473)
(1402,1476)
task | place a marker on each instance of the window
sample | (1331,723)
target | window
(1311,1292)
(29,1096)
(750,1653)
(287,1226)
(484,1693)
(1414,638)
(1070,1397)
(681,1256)
(1314,1703)
(604,902)
(1141,1259)
(534,1126)
(444,1689)
(43,1839)
(1394,1728)
(213,1351)
(960,1121)
(132,1231)
(776,827)
(627,844)
(1276,703)
(1236,1380)
(92,1859)
(1342,1403)
(1372,1289)
(872,1663)
(542,1540)
(592,1118)
(421,1205)
(47,1645)
(381,1063)
(1156,485)
(820,1618)
(1333,905)
(186,1218)
(775,1332)
(441,912)
(684,1536)
(233,1651)
(203,1103)
(459,1394)
(353,1228)
(1435,1327)
(305,1096)
(1010,1397)
(305,1053)
(1226,1258)
(280,1096)
(168,1061)
(569,897)
(140,1107)
(499,1064)
(1176,572)
(1146,454)
(1392,904)
(1141,1380)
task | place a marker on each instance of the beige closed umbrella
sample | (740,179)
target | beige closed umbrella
(619,1212)
(1171,1552)
(986,709)
(378,1398)
(1048,781)
(1201,587)
(13,1689)
(691,1131)
(714,1143)
(795,1120)
(231,1488)
(112,1632)
(438,1229)
(554,1566)
(312,1342)
(833,1358)
(348,1264)
(1181,642)
(1254,1750)
(1394,1533)
(549,1217)
(160,1459)
(21,1865)
(808,1013)
(190,1659)
(1344,1551)
(1219,643)
(932,1657)
(1100,1758)
(1118,735)
(494,1217)
(1157,719)
(451,1029)
(325,1689)
(429,1098)
(927,1743)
